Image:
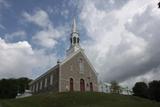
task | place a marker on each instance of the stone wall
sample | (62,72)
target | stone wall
(45,82)
(71,69)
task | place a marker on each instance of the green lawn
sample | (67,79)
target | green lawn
(78,99)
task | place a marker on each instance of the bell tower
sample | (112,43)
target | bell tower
(74,39)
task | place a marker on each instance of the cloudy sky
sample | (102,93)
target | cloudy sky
(120,37)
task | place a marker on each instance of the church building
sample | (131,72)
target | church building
(74,73)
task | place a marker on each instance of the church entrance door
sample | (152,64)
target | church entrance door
(71,84)
(82,85)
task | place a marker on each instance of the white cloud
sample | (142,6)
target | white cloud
(154,74)
(18,35)
(47,37)
(123,44)
(39,17)
(117,52)
(14,59)
(20,60)
(65,13)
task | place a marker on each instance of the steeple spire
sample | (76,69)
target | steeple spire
(74,27)
(74,39)
(74,34)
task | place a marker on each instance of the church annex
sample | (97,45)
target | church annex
(74,73)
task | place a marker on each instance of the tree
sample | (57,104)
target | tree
(22,84)
(154,90)
(140,89)
(10,87)
(115,88)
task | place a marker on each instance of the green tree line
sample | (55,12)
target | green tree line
(150,91)
(10,87)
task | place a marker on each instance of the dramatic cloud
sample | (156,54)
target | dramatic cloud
(19,59)
(14,59)
(39,17)
(47,37)
(120,37)
(124,41)
(19,35)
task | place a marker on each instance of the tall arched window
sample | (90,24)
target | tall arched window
(81,65)
(74,40)
(71,84)
(51,79)
(37,86)
(71,40)
(77,40)
(82,85)
(91,87)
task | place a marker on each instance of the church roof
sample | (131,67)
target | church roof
(44,74)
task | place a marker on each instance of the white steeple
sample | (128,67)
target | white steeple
(74,29)
(74,39)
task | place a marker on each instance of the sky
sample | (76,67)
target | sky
(120,37)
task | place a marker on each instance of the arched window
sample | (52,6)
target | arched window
(82,85)
(74,40)
(71,40)
(81,65)
(37,86)
(71,84)
(51,79)
(77,40)
(91,87)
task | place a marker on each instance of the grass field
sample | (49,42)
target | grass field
(77,99)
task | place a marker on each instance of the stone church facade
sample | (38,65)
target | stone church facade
(75,73)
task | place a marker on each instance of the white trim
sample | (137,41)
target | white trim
(41,85)
(45,82)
